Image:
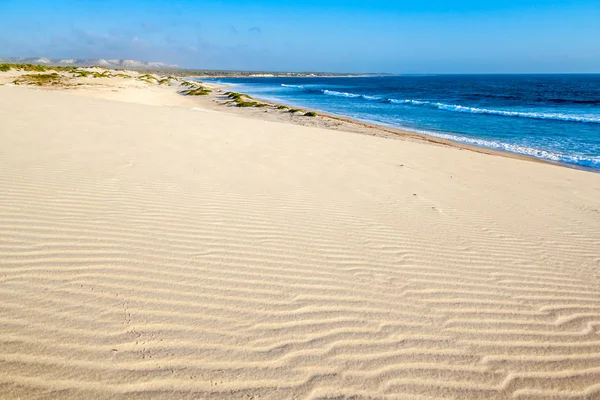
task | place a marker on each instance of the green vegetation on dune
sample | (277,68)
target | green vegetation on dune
(77,72)
(190,83)
(167,80)
(35,68)
(250,104)
(310,114)
(81,73)
(31,67)
(38,79)
(294,110)
(103,74)
(201,91)
(236,96)
(194,88)
(148,78)
(240,100)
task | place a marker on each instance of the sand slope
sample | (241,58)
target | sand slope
(162,252)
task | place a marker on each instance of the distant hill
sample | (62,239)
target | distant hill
(88,62)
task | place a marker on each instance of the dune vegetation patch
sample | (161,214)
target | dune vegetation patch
(148,78)
(200,91)
(311,114)
(168,80)
(82,73)
(35,68)
(39,79)
(236,96)
(250,104)
(242,100)
(190,84)
(194,88)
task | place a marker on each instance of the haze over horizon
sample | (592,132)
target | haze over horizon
(337,36)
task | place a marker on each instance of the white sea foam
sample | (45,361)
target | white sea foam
(350,95)
(520,114)
(588,161)
(374,98)
(293,86)
(340,94)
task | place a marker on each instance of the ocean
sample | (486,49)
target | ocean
(552,117)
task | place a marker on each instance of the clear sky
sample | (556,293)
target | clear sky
(417,36)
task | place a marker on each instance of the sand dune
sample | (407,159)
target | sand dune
(161,252)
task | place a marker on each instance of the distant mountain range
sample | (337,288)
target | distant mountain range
(88,62)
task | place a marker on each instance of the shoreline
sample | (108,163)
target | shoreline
(109,82)
(407,134)
(454,143)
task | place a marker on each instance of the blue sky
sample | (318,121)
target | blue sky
(460,36)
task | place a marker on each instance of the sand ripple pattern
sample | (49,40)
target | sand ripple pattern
(155,252)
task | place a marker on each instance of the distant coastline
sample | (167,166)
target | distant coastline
(172,69)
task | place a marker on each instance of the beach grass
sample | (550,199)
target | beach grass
(200,91)
(311,114)
(148,78)
(104,74)
(251,104)
(81,73)
(39,79)
(189,83)
(235,95)
(77,73)
(35,68)
(241,100)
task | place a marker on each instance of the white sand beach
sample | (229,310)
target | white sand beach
(155,248)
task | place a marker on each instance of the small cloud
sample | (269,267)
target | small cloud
(255,29)
(233,29)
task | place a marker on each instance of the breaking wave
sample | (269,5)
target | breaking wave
(595,119)
(583,160)
(520,114)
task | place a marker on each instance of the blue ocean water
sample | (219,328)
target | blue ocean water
(553,117)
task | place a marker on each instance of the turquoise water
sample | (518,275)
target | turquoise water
(553,117)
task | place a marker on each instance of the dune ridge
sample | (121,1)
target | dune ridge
(159,252)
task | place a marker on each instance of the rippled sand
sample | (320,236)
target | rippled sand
(163,252)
